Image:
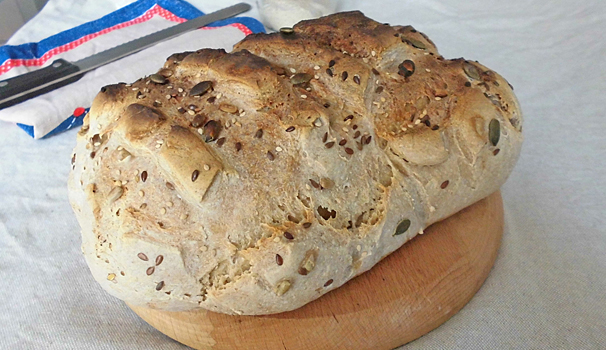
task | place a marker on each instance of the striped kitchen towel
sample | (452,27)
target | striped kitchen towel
(65,108)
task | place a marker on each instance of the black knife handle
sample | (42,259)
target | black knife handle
(12,90)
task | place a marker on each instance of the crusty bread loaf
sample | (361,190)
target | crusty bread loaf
(256,181)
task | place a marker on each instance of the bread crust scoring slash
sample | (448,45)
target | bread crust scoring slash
(254,182)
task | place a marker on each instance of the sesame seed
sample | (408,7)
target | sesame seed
(169,204)
(206,167)
(190,112)
(316,76)
(428,70)
(303,96)
(344,129)
(168,97)
(278,149)
(219,95)
(373,53)
(183,216)
(200,131)
(318,122)
(111,276)
(438,98)
(141,193)
(317,67)
(293,70)
(163,211)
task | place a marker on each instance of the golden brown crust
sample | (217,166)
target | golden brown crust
(315,146)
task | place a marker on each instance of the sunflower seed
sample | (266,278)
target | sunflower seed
(406,68)
(227,108)
(282,287)
(198,121)
(471,70)
(211,131)
(115,193)
(160,285)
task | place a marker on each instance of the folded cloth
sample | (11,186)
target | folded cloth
(64,108)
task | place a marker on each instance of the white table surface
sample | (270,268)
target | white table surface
(547,289)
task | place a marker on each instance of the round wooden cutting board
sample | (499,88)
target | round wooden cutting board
(406,295)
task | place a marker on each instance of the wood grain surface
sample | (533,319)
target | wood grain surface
(406,295)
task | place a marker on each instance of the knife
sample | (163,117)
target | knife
(62,72)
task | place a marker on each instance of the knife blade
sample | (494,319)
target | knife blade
(62,72)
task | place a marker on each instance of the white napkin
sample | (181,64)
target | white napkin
(64,108)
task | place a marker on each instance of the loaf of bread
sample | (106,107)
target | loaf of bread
(254,182)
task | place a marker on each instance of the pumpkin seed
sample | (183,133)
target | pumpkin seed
(416,43)
(403,226)
(301,78)
(158,79)
(167,73)
(471,71)
(201,88)
(494,132)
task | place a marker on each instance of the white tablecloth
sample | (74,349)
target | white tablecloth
(547,289)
